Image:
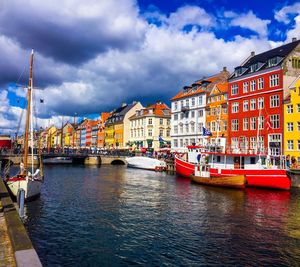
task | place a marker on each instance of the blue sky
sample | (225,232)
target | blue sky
(91,56)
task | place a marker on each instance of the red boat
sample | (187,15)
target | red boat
(259,171)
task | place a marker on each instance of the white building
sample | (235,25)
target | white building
(188,109)
(150,127)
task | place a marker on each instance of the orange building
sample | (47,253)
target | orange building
(101,126)
(216,110)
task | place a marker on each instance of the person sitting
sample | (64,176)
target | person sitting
(294,163)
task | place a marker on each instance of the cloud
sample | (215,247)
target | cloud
(249,21)
(72,31)
(284,15)
(93,55)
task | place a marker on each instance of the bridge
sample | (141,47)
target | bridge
(77,158)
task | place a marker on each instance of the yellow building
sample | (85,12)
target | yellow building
(292,121)
(117,126)
(68,135)
(51,133)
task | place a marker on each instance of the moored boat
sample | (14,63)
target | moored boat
(146,163)
(58,160)
(30,182)
(259,170)
(203,176)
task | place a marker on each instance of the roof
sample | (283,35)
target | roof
(159,109)
(204,85)
(117,116)
(262,58)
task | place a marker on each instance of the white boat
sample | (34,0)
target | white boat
(29,181)
(146,163)
(58,160)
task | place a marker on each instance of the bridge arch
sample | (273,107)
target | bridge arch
(118,162)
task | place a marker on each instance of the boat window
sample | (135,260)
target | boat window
(219,159)
(252,160)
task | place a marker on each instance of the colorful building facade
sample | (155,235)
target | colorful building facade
(257,89)
(150,127)
(292,120)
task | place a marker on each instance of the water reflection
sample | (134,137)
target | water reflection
(113,216)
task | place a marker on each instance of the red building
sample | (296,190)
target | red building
(257,89)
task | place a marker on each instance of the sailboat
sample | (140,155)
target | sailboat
(28,180)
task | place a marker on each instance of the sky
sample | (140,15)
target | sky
(91,56)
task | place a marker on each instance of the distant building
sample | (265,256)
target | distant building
(101,126)
(150,127)
(117,126)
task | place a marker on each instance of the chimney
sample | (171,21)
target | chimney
(252,54)
(294,39)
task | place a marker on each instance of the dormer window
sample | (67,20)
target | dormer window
(274,61)
(239,71)
(151,111)
(194,87)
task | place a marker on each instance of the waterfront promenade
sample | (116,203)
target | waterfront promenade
(15,246)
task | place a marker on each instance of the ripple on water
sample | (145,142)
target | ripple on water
(113,216)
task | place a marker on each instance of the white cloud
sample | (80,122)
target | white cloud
(282,15)
(250,21)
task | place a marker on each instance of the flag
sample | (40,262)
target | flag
(206,132)
(160,139)
(269,124)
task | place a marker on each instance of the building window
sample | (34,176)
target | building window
(175,117)
(245,124)
(168,133)
(161,121)
(181,142)
(245,105)
(252,85)
(200,125)
(200,100)
(149,132)
(290,144)
(193,127)
(298,126)
(260,103)
(260,142)
(181,128)
(245,87)
(275,121)
(274,101)
(150,121)
(296,63)
(252,104)
(224,125)
(187,102)
(193,101)
(289,109)
(260,83)
(213,126)
(225,110)
(200,113)
(161,132)
(274,80)
(235,107)
(290,127)
(234,89)
(298,145)
(253,123)
(193,114)
(187,128)
(234,125)
(298,107)
(175,107)
(252,142)
(175,143)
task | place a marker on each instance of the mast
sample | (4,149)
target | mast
(29,94)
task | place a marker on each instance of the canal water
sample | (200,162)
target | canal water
(114,216)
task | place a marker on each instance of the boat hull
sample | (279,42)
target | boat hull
(58,160)
(235,181)
(146,163)
(263,178)
(32,188)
